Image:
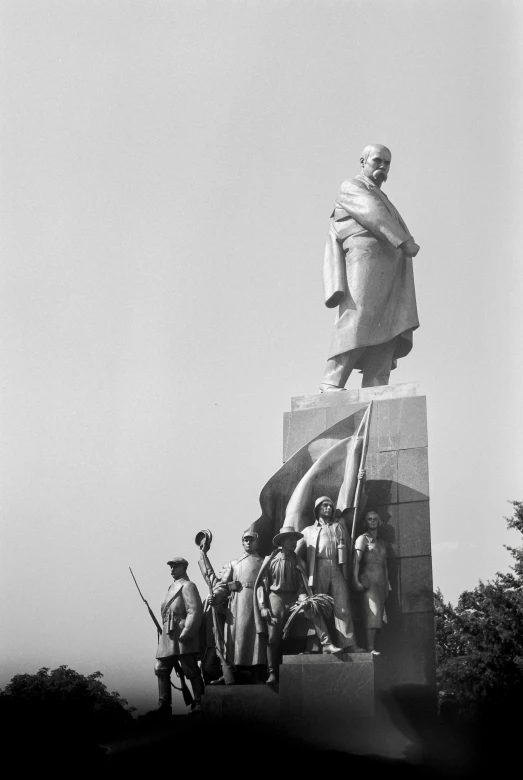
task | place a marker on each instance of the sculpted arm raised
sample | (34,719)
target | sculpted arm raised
(221,590)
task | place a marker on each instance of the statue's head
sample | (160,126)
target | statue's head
(324,508)
(375,163)
(371,519)
(178,567)
(250,541)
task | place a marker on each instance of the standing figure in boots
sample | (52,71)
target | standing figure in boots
(182,614)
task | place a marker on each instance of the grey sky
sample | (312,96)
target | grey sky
(168,170)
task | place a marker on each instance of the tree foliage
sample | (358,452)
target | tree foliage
(479,643)
(67,698)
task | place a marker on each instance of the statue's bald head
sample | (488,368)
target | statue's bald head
(375,163)
(379,148)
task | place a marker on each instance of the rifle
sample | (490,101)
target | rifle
(203,540)
(187,697)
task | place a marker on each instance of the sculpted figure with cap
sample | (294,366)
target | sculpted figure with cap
(284,582)
(235,588)
(324,551)
(181,618)
(368,274)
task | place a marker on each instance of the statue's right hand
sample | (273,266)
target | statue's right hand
(358,586)
(211,600)
(410,248)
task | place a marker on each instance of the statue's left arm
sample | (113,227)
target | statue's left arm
(371,213)
(194,609)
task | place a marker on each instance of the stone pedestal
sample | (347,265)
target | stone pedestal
(398,486)
(319,687)
(247,703)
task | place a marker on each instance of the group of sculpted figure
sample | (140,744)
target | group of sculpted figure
(255,598)
(368,275)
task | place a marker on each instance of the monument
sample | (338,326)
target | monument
(340,610)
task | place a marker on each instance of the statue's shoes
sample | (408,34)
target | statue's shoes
(195,708)
(332,649)
(326,388)
(375,652)
(219,681)
(272,679)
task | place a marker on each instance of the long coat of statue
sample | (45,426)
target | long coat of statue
(244,645)
(366,273)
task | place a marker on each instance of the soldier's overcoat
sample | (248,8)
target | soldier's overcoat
(245,646)
(181,608)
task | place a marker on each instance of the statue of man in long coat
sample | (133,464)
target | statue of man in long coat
(368,273)
(245,646)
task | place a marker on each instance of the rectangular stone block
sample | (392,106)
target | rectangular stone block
(384,392)
(389,529)
(418,651)
(257,703)
(416,588)
(322,400)
(402,423)
(325,689)
(382,477)
(359,395)
(303,426)
(413,475)
(414,529)
(336,413)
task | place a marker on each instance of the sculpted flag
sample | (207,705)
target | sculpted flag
(327,465)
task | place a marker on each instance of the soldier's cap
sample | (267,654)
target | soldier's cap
(176,561)
(320,501)
(250,533)
(286,530)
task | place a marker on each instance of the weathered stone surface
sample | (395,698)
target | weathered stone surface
(319,659)
(315,687)
(303,427)
(402,424)
(361,395)
(413,475)
(416,589)
(336,413)
(414,529)
(250,702)
(382,477)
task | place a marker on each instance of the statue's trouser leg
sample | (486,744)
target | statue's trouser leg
(370,635)
(329,579)
(211,666)
(162,670)
(377,364)
(339,367)
(191,670)
(321,630)
(279,607)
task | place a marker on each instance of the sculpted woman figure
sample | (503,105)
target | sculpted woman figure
(371,576)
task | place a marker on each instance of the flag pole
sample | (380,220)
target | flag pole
(359,483)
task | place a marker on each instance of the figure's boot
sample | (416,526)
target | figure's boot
(164,696)
(273,657)
(323,635)
(197,689)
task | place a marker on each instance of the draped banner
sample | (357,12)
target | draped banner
(327,465)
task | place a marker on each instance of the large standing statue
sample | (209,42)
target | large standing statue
(181,617)
(245,646)
(368,273)
(324,548)
(284,580)
(371,576)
